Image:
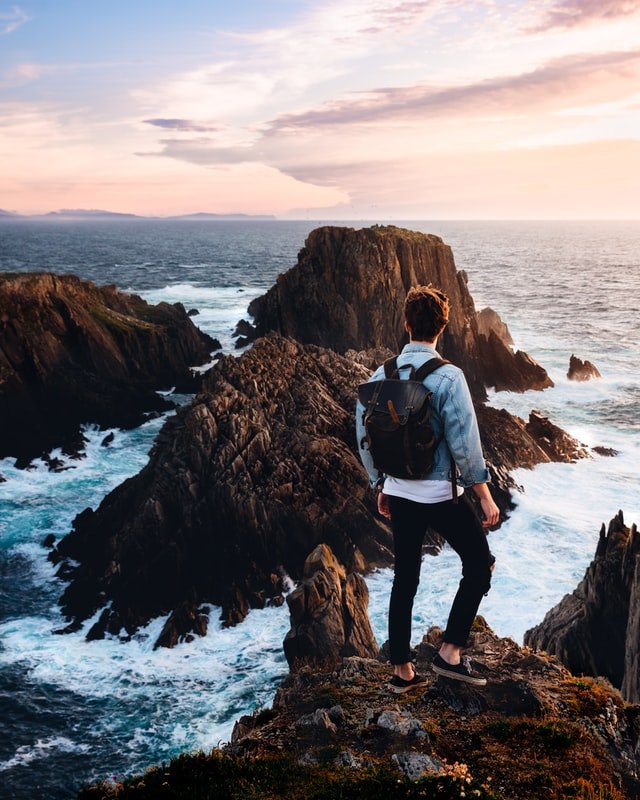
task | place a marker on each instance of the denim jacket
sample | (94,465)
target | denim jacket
(453,422)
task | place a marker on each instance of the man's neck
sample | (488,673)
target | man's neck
(420,341)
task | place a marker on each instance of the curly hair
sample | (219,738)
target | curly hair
(426,310)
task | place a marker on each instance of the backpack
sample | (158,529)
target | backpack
(396,421)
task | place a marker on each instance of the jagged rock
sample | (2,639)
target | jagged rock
(488,321)
(582,370)
(401,723)
(416,765)
(347,292)
(555,442)
(319,722)
(193,312)
(595,630)
(72,352)
(240,486)
(185,622)
(533,721)
(108,439)
(329,616)
(608,452)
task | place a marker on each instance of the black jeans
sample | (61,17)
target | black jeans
(460,527)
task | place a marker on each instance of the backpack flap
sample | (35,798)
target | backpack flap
(405,397)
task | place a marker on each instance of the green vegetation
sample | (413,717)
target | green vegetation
(221,777)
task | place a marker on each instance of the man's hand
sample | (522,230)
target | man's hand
(489,508)
(383,505)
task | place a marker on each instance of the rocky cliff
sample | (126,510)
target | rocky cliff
(72,352)
(595,630)
(347,292)
(533,732)
(240,487)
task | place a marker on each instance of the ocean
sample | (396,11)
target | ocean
(72,711)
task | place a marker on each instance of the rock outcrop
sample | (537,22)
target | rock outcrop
(582,370)
(533,731)
(347,292)
(595,630)
(240,486)
(490,321)
(72,352)
(329,614)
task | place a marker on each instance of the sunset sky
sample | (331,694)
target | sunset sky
(336,109)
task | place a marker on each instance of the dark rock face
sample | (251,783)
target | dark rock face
(582,370)
(595,630)
(348,289)
(329,616)
(240,487)
(72,352)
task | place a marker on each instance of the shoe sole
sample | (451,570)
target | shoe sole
(457,677)
(403,689)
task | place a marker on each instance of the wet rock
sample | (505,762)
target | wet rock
(556,443)
(581,370)
(347,293)
(329,616)
(595,630)
(49,541)
(608,452)
(108,439)
(192,312)
(73,352)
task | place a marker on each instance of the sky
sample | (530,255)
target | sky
(334,109)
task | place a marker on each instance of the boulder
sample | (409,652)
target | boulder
(73,352)
(347,292)
(329,616)
(595,630)
(582,370)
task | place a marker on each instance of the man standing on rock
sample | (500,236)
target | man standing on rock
(413,505)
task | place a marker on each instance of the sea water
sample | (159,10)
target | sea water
(73,711)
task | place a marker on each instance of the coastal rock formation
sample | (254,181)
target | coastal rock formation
(329,616)
(595,630)
(582,370)
(240,486)
(72,352)
(488,321)
(347,292)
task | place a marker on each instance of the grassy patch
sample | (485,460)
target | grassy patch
(221,777)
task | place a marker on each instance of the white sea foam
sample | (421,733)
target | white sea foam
(220,308)
(42,748)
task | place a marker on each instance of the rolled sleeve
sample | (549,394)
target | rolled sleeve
(462,434)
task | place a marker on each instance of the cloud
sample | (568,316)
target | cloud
(12,19)
(181,125)
(575,13)
(556,84)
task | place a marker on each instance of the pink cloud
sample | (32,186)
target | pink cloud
(574,13)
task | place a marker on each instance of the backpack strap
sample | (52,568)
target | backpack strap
(391,367)
(421,373)
(428,367)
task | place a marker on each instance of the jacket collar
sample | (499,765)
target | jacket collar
(419,347)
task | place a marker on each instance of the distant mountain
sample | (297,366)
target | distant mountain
(205,216)
(79,214)
(82,213)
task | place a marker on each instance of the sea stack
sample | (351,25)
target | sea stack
(582,370)
(347,292)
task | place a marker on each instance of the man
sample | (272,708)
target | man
(415,505)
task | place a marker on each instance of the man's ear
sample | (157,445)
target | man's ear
(407,328)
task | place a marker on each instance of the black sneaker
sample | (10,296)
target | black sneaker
(459,672)
(399,685)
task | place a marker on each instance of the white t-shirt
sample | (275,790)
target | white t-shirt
(420,491)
